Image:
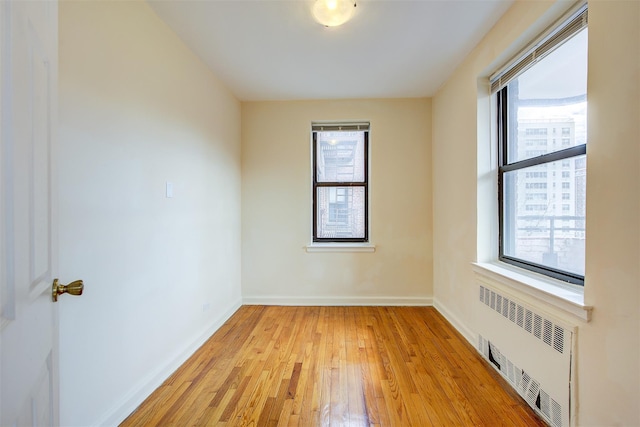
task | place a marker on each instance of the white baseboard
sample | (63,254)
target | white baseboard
(469,335)
(339,301)
(139,392)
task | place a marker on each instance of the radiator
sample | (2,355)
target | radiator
(531,350)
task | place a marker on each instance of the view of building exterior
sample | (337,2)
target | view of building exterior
(341,197)
(550,206)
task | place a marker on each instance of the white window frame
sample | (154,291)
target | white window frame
(569,26)
(342,245)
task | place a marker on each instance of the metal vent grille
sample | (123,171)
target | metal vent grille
(529,388)
(541,375)
(533,323)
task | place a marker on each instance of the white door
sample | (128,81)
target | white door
(28,263)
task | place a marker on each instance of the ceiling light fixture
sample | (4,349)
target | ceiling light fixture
(332,13)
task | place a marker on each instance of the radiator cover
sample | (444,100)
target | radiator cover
(532,351)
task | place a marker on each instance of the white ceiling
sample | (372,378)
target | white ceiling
(274,50)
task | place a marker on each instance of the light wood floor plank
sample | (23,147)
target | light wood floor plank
(335,366)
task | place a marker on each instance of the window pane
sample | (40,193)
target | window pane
(340,212)
(544,214)
(547,106)
(340,157)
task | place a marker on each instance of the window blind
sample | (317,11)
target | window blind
(545,44)
(332,127)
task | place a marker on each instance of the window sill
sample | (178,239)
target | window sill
(340,247)
(562,296)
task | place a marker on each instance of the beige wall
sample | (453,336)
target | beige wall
(608,355)
(138,109)
(609,347)
(276,205)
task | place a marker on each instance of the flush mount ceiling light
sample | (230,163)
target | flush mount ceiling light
(332,13)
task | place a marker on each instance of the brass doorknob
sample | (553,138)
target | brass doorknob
(73,288)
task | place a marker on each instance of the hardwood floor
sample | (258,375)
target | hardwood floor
(335,366)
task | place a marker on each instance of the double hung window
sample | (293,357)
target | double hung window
(340,182)
(541,102)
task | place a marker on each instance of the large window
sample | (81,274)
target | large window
(340,182)
(542,191)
